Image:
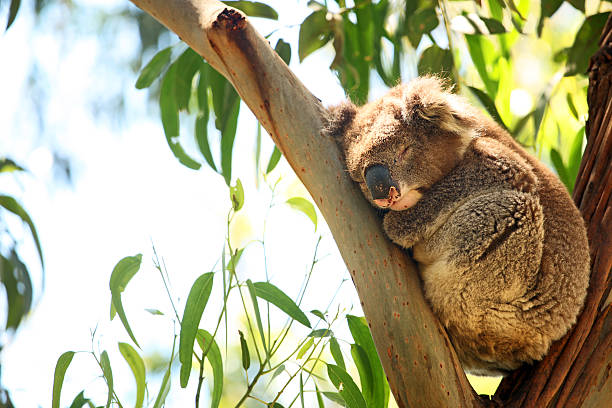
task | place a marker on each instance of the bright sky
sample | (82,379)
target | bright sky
(128,191)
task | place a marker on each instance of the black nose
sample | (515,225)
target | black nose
(379,182)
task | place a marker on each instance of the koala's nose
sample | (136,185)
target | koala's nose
(379,182)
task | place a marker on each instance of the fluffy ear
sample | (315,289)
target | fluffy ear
(429,99)
(339,120)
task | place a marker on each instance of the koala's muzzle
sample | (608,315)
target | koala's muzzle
(379,182)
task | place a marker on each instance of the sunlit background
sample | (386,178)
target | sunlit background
(102,184)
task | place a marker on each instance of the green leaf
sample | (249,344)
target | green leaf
(482,25)
(336,353)
(187,64)
(346,387)
(169,110)
(13,9)
(244,349)
(305,348)
(481,49)
(436,60)
(279,370)
(278,298)
(138,370)
(254,9)
(108,376)
(15,278)
(164,388)
(305,206)
(7,165)
(422,21)
(155,312)
(559,166)
(319,314)
(80,400)
(283,49)
(575,156)
(257,314)
(228,135)
(335,397)
(120,277)
(233,262)
(319,398)
(315,32)
(572,107)
(207,342)
(363,338)
(237,195)
(194,307)
(578,4)
(274,159)
(547,9)
(58,377)
(321,333)
(489,105)
(585,43)
(10,204)
(153,69)
(201,135)
(365,373)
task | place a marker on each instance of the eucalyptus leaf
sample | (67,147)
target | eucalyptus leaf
(13,9)
(274,159)
(137,366)
(7,165)
(283,49)
(336,352)
(363,338)
(122,273)
(237,195)
(58,377)
(321,333)
(346,387)
(436,60)
(153,69)
(80,400)
(305,206)
(253,295)
(187,65)
(278,298)
(254,9)
(585,43)
(244,351)
(108,376)
(211,351)
(194,307)
(314,33)
(169,110)
(305,347)
(489,105)
(10,204)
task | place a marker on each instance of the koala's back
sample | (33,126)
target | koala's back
(510,267)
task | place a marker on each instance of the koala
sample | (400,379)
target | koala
(500,247)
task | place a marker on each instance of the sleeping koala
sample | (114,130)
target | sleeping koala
(500,246)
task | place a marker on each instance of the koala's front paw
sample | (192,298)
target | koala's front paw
(401,228)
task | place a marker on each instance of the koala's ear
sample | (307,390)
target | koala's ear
(339,119)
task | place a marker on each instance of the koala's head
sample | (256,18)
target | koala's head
(400,145)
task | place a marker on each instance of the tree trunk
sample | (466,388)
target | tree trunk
(416,354)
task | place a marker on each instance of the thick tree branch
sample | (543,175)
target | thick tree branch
(421,366)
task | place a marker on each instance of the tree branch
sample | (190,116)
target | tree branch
(417,356)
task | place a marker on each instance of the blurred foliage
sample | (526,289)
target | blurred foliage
(523,62)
